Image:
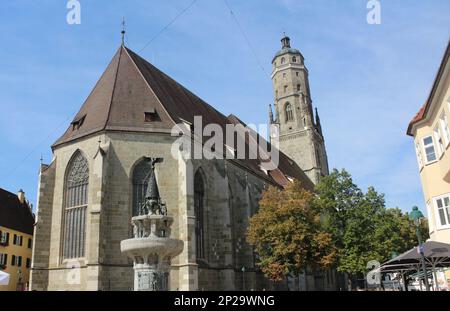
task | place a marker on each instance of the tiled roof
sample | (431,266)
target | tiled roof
(419,115)
(130,87)
(424,109)
(15,215)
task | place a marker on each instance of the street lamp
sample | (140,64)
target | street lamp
(416,216)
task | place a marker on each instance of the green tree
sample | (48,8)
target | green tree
(363,229)
(396,233)
(360,244)
(287,233)
(337,197)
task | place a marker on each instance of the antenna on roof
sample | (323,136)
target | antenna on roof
(123,31)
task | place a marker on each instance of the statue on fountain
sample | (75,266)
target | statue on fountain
(152,204)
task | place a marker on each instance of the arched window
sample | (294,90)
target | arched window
(294,59)
(282,60)
(140,172)
(317,157)
(75,206)
(199,201)
(289,113)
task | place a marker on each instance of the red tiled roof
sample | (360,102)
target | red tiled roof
(419,115)
(424,109)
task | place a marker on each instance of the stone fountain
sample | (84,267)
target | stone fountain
(151,247)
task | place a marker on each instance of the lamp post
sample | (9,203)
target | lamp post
(416,216)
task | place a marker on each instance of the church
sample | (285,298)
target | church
(95,182)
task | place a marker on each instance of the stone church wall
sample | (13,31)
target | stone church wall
(231,198)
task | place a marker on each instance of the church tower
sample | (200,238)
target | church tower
(300,134)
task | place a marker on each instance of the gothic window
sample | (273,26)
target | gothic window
(285,89)
(199,201)
(282,60)
(294,59)
(289,113)
(140,174)
(317,157)
(75,206)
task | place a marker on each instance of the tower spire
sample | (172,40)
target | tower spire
(123,31)
(270,114)
(318,125)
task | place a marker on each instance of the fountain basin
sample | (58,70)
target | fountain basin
(144,247)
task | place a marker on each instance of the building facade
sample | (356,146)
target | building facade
(16,239)
(431,132)
(92,188)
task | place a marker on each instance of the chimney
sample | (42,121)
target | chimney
(21,196)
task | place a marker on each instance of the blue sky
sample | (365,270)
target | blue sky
(367,80)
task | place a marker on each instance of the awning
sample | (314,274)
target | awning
(437,255)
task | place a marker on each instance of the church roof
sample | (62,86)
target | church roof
(14,214)
(131,88)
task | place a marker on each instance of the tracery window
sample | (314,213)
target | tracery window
(289,113)
(75,206)
(140,174)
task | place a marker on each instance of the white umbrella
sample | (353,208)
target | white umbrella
(4,278)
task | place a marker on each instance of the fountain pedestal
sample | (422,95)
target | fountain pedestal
(151,250)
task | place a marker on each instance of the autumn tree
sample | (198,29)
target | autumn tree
(287,233)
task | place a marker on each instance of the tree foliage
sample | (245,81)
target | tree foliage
(363,228)
(339,225)
(287,233)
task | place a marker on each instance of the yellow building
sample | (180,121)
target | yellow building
(431,131)
(16,239)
